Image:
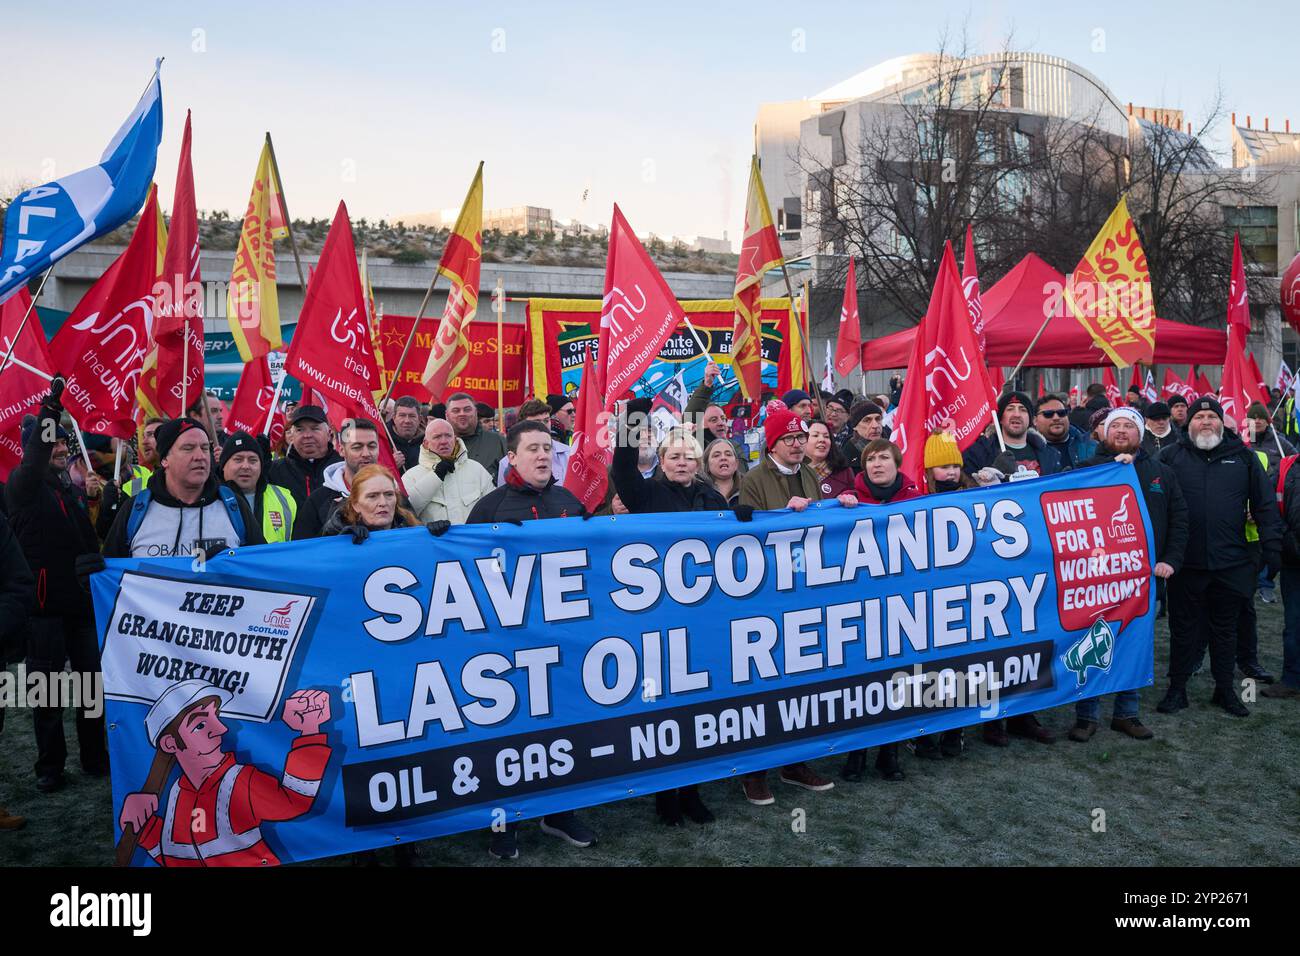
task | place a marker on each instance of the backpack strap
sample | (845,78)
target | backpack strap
(232,511)
(139,505)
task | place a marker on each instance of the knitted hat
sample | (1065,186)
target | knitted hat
(1205,404)
(780,423)
(1132,414)
(168,432)
(556,402)
(1176,400)
(1257,410)
(1006,398)
(29,422)
(941,449)
(861,410)
(241,441)
(794,397)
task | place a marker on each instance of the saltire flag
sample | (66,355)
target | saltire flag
(1113,394)
(252,303)
(331,350)
(178,309)
(102,345)
(44,224)
(1238,302)
(946,378)
(760,250)
(25,380)
(461,264)
(251,407)
(373,318)
(791,370)
(1284,376)
(638,313)
(970,286)
(1109,292)
(848,343)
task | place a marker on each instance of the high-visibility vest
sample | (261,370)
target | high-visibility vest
(1252,530)
(278,512)
(140,476)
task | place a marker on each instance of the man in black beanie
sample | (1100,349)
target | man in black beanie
(1025,450)
(243,466)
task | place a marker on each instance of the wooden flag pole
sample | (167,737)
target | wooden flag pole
(415,327)
(501,385)
(288,220)
(794,315)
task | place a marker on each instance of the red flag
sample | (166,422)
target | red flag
(1112,387)
(1203,386)
(1174,386)
(1234,396)
(26,379)
(1256,387)
(252,405)
(11,450)
(178,311)
(946,377)
(848,344)
(331,349)
(997,378)
(1238,304)
(638,314)
(102,345)
(970,287)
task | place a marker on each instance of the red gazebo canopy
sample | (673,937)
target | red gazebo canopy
(1014,309)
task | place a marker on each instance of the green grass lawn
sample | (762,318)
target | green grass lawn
(1208,790)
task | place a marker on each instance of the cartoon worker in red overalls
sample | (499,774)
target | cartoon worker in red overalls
(216,807)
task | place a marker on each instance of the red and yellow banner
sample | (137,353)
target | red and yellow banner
(461,263)
(760,250)
(560,329)
(252,305)
(1109,292)
(479,374)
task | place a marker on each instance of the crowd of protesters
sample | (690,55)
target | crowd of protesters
(1225,520)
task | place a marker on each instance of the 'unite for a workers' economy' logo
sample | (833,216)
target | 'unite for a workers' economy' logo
(1095,649)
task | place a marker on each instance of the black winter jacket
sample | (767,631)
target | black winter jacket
(17,592)
(49,518)
(986,452)
(1291,518)
(1165,504)
(1218,486)
(658,494)
(517,501)
(299,475)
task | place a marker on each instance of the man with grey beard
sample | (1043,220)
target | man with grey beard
(1220,478)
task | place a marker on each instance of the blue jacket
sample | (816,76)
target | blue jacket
(1076,449)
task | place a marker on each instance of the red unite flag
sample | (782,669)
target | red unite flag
(946,378)
(102,345)
(178,310)
(848,344)
(637,315)
(251,407)
(1112,387)
(331,349)
(1238,303)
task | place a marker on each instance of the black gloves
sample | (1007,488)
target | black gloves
(1273,561)
(359,532)
(444,468)
(86,565)
(744,512)
(54,400)
(437,528)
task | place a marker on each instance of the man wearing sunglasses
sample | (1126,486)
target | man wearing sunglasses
(1071,444)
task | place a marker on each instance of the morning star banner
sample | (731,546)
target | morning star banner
(301,700)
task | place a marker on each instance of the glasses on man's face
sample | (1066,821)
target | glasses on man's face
(792,440)
(1054,413)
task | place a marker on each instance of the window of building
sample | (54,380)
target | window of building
(1258,228)
(1017,87)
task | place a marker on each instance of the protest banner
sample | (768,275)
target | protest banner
(478,377)
(493,674)
(560,329)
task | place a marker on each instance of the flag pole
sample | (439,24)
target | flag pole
(284,207)
(415,327)
(275,398)
(23,324)
(794,315)
(501,385)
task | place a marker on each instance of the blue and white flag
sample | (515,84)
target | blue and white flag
(44,224)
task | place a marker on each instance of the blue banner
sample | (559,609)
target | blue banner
(301,700)
(44,224)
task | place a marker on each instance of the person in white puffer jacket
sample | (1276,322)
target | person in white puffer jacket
(446,483)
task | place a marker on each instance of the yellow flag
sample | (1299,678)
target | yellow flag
(252,306)
(462,259)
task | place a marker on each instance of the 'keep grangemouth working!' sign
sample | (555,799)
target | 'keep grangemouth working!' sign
(498,673)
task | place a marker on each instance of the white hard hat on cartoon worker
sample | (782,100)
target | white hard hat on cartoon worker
(173,702)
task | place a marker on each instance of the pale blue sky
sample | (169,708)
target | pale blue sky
(390,106)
